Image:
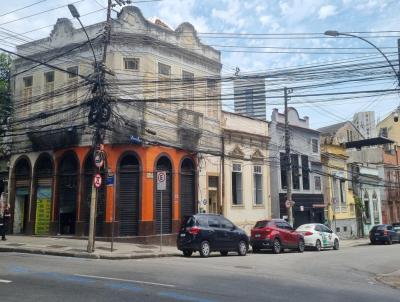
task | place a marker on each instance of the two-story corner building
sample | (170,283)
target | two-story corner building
(237,183)
(307,189)
(338,191)
(374,167)
(389,128)
(159,73)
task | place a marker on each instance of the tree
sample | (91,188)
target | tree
(5,98)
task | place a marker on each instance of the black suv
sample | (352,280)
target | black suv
(210,232)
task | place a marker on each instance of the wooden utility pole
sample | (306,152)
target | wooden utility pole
(288,164)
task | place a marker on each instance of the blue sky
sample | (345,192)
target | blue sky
(257,17)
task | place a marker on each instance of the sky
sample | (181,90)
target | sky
(254,25)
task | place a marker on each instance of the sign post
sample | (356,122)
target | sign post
(161,186)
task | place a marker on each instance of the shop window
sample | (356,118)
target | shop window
(305,172)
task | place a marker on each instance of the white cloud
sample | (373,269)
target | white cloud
(231,15)
(327,11)
(295,11)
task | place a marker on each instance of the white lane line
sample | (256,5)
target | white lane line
(126,280)
(5,281)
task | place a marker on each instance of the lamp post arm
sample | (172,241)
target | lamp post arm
(377,48)
(90,43)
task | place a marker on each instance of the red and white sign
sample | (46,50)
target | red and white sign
(289,203)
(161,181)
(97,181)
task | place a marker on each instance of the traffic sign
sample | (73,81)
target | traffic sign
(97,180)
(289,203)
(110,180)
(161,181)
(99,158)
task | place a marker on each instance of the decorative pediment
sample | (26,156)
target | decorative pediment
(62,31)
(257,155)
(237,152)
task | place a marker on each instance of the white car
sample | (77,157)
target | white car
(318,236)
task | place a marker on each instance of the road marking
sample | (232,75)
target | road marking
(5,281)
(127,280)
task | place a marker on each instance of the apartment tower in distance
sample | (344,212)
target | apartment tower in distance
(365,123)
(250,96)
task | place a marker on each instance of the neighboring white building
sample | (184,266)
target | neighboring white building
(365,123)
(241,178)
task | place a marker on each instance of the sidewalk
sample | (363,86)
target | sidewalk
(354,242)
(67,247)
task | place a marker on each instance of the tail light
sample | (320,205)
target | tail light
(385,232)
(308,233)
(194,230)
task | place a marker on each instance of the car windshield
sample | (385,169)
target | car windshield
(263,224)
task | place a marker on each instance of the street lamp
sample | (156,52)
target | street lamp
(76,15)
(335,33)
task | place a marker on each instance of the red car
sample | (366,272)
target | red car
(275,235)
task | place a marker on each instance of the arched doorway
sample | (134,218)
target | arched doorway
(164,198)
(187,188)
(375,207)
(67,193)
(22,193)
(128,195)
(42,203)
(89,171)
(367,210)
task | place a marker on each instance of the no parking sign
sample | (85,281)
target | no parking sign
(161,181)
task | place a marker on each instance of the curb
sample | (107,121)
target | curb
(83,255)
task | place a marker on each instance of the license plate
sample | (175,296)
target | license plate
(257,235)
(183,235)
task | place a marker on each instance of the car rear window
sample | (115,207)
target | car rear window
(263,224)
(379,228)
(306,227)
(188,221)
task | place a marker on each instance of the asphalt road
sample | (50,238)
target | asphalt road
(344,275)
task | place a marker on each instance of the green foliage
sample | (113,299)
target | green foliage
(359,204)
(5,99)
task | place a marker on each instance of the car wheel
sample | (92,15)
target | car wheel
(224,253)
(318,246)
(187,253)
(205,249)
(390,241)
(242,248)
(276,247)
(336,245)
(301,246)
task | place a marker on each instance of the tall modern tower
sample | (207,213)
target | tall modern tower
(250,97)
(365,123)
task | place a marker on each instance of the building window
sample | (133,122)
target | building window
(212,98)
(384,132)
(28,83)
(258,187)
(317,183)
(49,88)
(367,211)
(164,81)
(237,184)
(314,143)
(305,172)
(73,72)
(283,164)
(188,89)
(337,230)
(294,158)
(352,209)
(375,205)
(131,63)
(345,229)
(248,95)
(213,182)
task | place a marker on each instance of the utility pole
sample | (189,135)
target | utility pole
(100,114)
(288,161)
